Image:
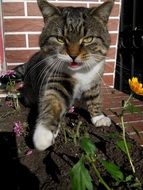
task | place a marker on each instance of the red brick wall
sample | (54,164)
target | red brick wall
(23,24)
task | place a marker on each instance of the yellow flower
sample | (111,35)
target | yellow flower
(135,86)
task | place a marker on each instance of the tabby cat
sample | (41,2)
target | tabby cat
(69,65)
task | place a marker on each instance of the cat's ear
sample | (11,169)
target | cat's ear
(103,11)
(47,9)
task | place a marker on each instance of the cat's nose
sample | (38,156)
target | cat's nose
(73,57)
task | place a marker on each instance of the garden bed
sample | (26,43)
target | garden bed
(24,168)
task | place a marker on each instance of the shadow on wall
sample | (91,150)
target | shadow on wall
(13,174)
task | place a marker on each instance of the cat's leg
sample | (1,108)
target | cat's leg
(93,100)
(51,109)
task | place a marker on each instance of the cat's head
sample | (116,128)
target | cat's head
(76,36)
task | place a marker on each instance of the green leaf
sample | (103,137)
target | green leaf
(113,170)
(129,178)
(132,109)
(87,146)
(80,178)
(121,145)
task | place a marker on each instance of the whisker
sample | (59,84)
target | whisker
(98,57)
(106,87)
(121,66)
(46,73)
(40,74)
(33,67)
(58,69)
(55,71)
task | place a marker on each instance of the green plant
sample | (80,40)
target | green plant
(80,175)
(11,87)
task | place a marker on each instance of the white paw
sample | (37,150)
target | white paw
(43,137)
(101,120)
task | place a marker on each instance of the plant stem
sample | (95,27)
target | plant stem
(77,129)
(65,135)
(77,135)
(101,180)
(126,102)
(74,139)
(125,143)
(124,133)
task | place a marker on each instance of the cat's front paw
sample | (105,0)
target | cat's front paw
(101,120)
(43,137)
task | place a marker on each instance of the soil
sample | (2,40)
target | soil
(24,168)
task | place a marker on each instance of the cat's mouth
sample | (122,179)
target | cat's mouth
(74,65)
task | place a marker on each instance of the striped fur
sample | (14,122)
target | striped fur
(69,65)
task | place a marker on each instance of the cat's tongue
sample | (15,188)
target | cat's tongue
(73,65)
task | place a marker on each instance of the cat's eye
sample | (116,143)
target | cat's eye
(60,39)
(87,40)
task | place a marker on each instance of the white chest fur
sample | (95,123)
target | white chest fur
(85,80)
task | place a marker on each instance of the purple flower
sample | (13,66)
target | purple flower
(8,73)
(18,128)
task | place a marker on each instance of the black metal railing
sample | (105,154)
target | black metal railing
(130,47)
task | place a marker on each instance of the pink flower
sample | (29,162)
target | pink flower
(71,109)
(29,152)
(18,128)
(8,73)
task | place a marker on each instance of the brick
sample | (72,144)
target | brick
(115,11)
(15,41)
(70,4)
(117,108)
(115,103)
(19,56)
(112,103)
(113,24)
(133,117)
(136,102)
(128,119)
(109,67)
(111,53)
(138,126)
(137,138)
(118,94)
(20,25)
(33,40)
(12,9)
(33,10)
(108,80)
(113,39)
